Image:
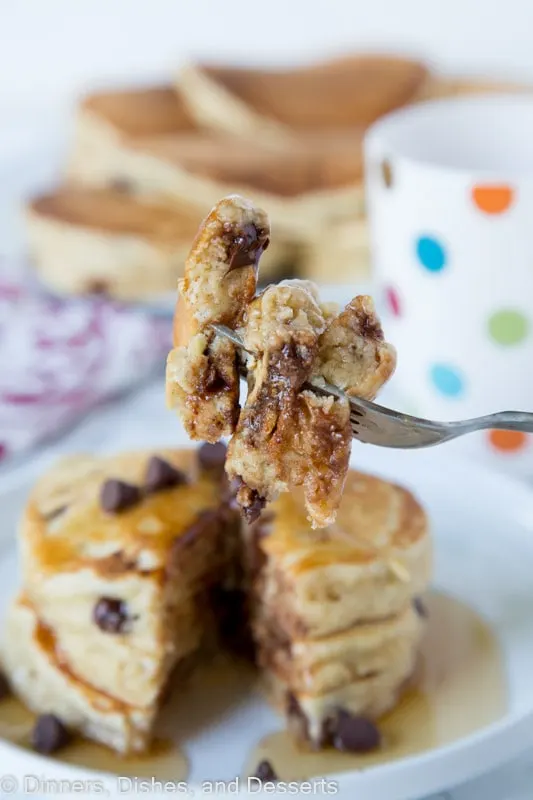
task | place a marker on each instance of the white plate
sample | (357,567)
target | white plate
(483,530)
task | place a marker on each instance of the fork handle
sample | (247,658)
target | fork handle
(503,421)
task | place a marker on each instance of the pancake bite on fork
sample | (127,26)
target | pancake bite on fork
(286,435)
(289,433)
(220,279)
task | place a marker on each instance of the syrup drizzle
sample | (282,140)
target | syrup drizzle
(460,686)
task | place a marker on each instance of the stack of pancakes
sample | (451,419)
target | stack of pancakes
(131,565)
(147,164)
(335,612)
(118,558)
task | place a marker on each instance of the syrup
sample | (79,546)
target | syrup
(460,686)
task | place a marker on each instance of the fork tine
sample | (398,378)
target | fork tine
(355,430)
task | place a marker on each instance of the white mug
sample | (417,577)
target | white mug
(450,203)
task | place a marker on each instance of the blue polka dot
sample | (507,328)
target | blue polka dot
(447,380)
(431,253)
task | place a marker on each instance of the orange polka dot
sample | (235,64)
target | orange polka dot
(493,199)
(508,441)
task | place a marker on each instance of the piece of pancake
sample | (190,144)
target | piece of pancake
(368,565)
(37,673)
(311,718)
(87,240)
(286,434)
(132,113)
(305,184)
(323,664)
(202,377)
(290,433)
(333,611)
(123,590)
(343,94)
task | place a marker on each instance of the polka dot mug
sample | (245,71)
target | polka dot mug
(450,203)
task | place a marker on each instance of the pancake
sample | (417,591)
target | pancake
(325,663)
(368,565)
(87,240)
(39,677)
(150,111)
(343,94)
(169,161)
(202,378)
(100,579)
(311,717)
(333,611)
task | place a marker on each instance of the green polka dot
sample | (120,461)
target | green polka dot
(508,327)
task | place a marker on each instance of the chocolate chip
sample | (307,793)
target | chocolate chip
(246,247)
(162,475)
(49,734)
(100,287)
(212,457)
(327,733)
(370,327)
(122,185)
(117,496)
(420,607)
(250,501)
(110,614)
(265,772)
(215,383)
(354,734)
(5,689)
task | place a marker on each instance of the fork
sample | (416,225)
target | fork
(375,424)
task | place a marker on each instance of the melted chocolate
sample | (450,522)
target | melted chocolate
(246,246)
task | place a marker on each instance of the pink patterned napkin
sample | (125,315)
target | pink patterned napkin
(60,358)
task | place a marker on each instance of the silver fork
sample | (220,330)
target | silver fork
(375,424)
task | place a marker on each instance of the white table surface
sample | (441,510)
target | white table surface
(140,420)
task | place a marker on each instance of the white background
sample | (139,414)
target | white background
(57,46)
